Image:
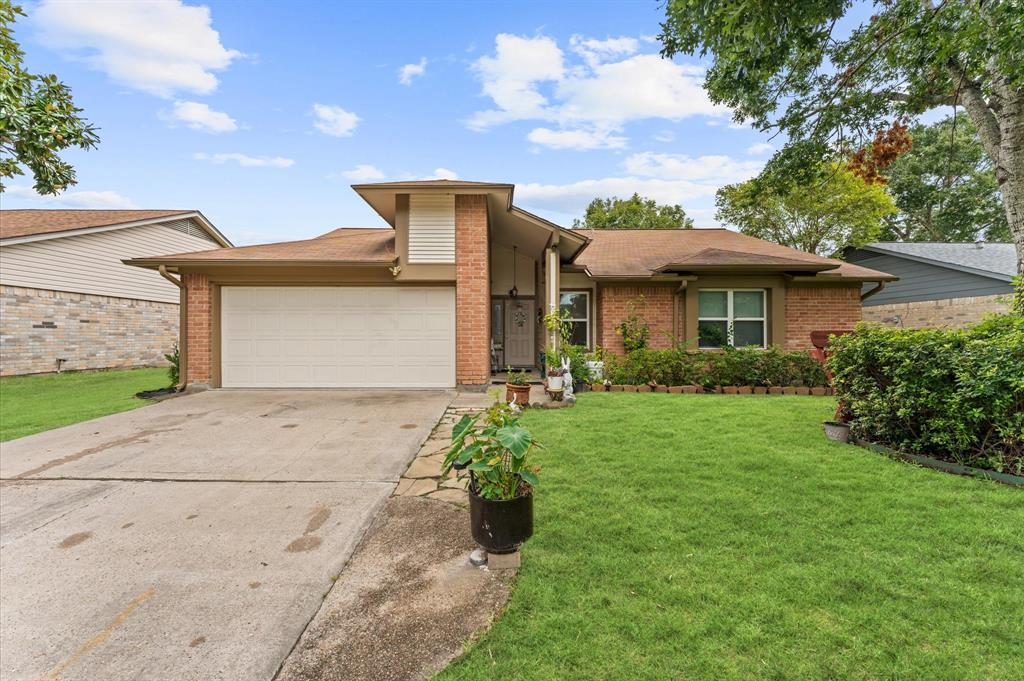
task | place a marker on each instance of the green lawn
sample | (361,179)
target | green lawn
(30,404)
(711,537)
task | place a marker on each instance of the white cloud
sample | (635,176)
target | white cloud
(159,46)
(246,161)
(444,174)
(760,148)
(364,172)
(596,51)
(198,116)
(579,139)
(665,136)
(529,79)
(103,200)
(410,71)
(666,178)
(334,121)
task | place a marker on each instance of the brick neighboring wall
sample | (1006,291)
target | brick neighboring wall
(199,311)
(38,326)
(472,292)
(661,309)
(948,312)
(813,309)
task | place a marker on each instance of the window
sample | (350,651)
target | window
(732,317)
(577,305)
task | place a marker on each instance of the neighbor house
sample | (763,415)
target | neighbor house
(940,284)
(458,284)
(68,302)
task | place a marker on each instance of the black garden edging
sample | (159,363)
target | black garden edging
(945,466)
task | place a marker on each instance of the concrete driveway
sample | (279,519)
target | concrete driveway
(192,539)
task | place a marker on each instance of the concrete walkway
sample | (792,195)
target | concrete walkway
(193,539)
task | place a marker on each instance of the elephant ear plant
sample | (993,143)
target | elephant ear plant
(495,449)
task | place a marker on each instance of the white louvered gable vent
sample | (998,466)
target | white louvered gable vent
(431,228)
(191,228)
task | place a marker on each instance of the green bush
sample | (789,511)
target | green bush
(957,395)
(733,366)
(174,365)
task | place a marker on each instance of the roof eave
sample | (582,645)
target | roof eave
(155,263)
(940,263)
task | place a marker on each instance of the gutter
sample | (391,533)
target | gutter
(182,328)
(867,294)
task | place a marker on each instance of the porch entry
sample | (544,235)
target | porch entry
(513,333)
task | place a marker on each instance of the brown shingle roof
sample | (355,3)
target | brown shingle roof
(345,245)
(641,253)
(29,222)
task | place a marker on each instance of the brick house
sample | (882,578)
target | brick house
(66,297)
(457,285)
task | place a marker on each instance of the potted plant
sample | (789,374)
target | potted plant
(553,369)
(517,387)
(839,429)
(494,449)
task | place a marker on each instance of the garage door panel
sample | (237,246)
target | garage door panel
(337,336)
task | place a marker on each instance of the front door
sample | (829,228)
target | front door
(520,339)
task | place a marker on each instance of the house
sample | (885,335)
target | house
(940,284)
(458,283)
(68,302)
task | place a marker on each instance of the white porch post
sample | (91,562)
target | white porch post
(552,280)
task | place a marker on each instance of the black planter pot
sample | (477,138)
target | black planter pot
(500,526)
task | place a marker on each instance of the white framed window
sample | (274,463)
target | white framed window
(733,317)
(577,305)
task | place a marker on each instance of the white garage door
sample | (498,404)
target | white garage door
(337,336)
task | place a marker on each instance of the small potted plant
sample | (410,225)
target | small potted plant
(494,449)
(517,387)
(553,369)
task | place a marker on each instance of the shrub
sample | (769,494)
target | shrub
(633,329)
(578,356)
(173,370)
(733,366)
(957,395)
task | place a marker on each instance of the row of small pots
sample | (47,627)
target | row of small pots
(721,389)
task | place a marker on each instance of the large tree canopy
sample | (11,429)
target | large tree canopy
(636,212)
(787,67)
(822,218)
(38,118)
(945,187)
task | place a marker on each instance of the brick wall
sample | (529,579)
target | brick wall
(813,309)
(660,309)
(472,292)
(91,332)
(949,312)
(199,311)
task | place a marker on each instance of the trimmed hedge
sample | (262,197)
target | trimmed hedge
(956,395)
(733,366)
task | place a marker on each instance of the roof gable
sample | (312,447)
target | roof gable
(37,224)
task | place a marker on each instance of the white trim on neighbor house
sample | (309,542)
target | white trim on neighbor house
(196,215)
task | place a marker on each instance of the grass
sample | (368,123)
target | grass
(31,404)
(711,537)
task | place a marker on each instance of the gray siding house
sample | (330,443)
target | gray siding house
(66,298)
(940,284)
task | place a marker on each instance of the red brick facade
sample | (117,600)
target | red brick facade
(661,308)
(813,309)
(472,292)
(200,309)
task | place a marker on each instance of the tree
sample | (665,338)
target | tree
(822,218)
(945,187)
(635,212)
(828,90)
(38,117)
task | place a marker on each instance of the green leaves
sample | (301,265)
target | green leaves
(38,117)
(494,448)
(516,439)
(636,212)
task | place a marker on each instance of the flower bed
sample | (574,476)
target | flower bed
(735,370)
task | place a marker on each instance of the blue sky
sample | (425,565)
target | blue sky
(261,114)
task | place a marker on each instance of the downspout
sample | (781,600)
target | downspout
(182,328)
(867,294)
